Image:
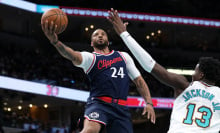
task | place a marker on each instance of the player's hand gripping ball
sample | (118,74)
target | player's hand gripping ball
(58,17)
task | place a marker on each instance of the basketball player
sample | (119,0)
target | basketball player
(109,73)
(197,108)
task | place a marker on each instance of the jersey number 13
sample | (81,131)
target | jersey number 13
(205,119)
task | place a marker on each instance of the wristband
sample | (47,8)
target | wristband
(55,43)
(150,104)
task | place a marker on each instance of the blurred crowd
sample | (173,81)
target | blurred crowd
(39,66)
(48,66)
(26,124)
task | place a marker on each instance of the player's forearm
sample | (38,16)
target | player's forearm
(146,61)
(62,49)
(67,52)
(143,89)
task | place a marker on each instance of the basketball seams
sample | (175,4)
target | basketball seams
(58,17)
(60,30)
(57,14)
(65,19)
(44,18)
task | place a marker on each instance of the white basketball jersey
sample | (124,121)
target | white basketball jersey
(196,110)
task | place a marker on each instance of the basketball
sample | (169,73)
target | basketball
(58,17)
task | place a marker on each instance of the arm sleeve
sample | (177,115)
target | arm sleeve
(88,60)
(133,72)
(146,61)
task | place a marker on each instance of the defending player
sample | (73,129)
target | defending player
(109,73)
(197,108)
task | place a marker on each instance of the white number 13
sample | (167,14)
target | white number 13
(117,73)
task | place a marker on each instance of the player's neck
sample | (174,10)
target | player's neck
(103,51)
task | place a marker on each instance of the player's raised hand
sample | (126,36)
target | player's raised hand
(49,31)
(150,113)
(116,21)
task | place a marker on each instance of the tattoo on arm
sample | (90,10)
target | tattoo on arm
(62,49)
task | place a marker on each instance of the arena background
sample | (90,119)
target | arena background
(26,54)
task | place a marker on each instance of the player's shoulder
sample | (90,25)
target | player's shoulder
(86,53)
(201,84)
(122,52)
(125,54)
(126,57)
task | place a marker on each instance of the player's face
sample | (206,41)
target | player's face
(198,75)
(99,39)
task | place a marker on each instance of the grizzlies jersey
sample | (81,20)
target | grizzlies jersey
(108,76)
(196,110)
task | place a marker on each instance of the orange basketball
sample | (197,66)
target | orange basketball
(58,17)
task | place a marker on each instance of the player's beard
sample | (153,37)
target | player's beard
(100,45)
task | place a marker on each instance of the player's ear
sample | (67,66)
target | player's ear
(92,44)
(201,75)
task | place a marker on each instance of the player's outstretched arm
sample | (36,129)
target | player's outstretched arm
(64,50)
(143,57)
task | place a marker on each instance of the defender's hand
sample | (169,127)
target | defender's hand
(49,31)
(116,21)
(150,113)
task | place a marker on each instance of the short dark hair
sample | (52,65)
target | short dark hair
(210,68)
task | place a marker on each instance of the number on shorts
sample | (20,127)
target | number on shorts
(204,121)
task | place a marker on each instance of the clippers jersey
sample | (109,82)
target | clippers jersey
(108,76)
(196,110)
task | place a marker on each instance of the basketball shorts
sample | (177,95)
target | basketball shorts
(116,118)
